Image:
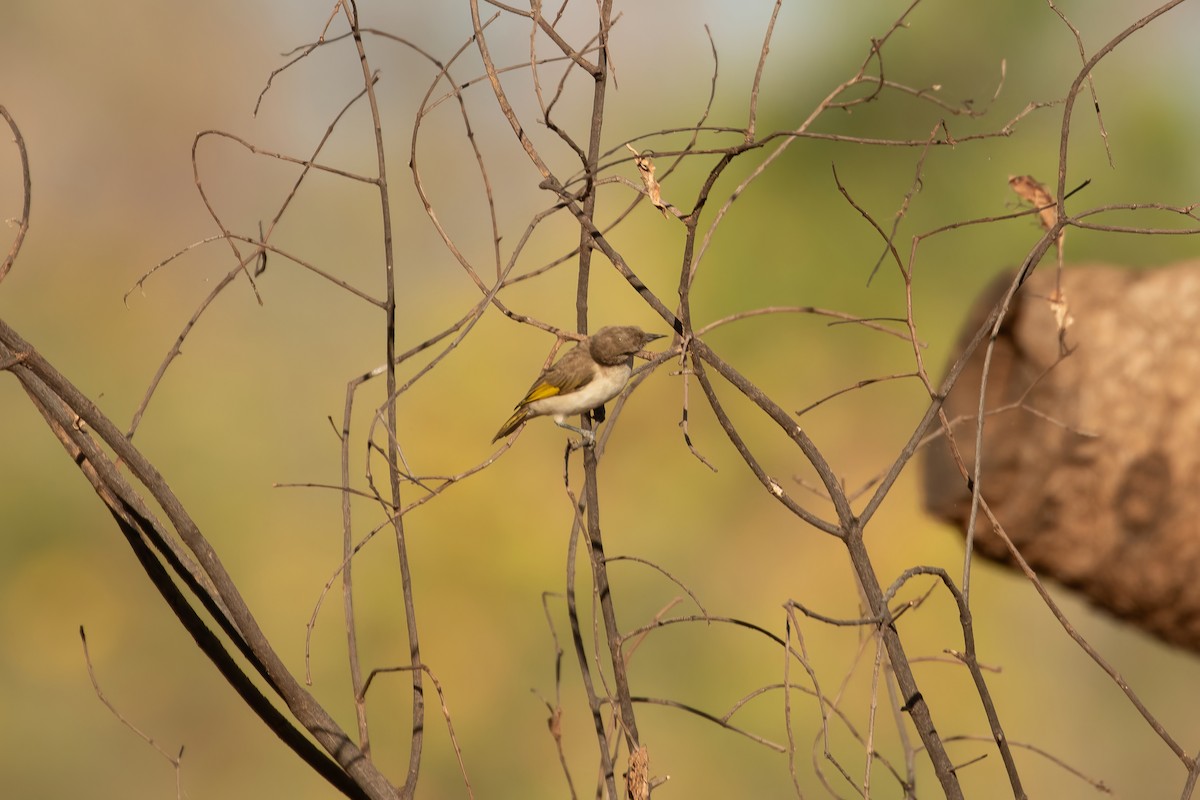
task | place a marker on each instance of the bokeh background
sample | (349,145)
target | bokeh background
(109,97)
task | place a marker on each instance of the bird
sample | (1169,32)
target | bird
(586,377)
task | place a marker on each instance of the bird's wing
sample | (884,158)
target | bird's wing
(571,372)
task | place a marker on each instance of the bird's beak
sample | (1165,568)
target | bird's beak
(650,337)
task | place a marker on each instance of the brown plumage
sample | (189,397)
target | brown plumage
(586,377)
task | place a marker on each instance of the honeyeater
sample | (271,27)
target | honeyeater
(586,377)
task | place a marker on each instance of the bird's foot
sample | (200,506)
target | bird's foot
(588,440)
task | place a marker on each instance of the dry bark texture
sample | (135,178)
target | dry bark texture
(1093,473)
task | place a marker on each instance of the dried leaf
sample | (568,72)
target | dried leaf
(1039,197)
(645,167)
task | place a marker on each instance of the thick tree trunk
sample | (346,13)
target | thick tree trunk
(1093,471)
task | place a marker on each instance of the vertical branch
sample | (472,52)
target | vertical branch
(914,701)
(356,679)
(595,704)
(393,455)
(589,237)
(590,489)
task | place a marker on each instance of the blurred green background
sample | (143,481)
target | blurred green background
(109,97)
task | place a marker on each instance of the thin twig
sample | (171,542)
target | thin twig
(26,194)
(176,761)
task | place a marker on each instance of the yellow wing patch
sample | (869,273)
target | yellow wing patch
(540,391)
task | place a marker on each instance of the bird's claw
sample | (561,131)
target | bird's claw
(588,440)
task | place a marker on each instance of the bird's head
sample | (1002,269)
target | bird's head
(614,344)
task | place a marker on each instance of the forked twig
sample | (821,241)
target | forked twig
(176,761)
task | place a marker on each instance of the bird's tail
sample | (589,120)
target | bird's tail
(515,421)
